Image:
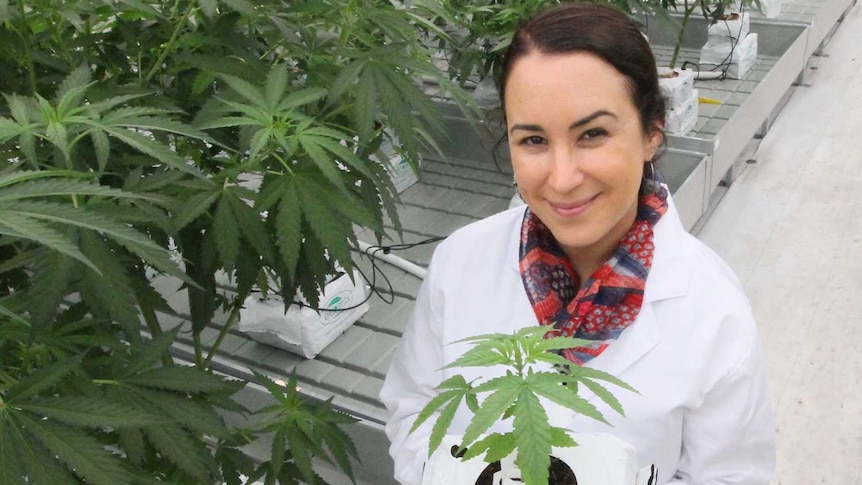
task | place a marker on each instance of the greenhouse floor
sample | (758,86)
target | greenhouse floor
(791,227)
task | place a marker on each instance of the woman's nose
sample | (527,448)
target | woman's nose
(565,170)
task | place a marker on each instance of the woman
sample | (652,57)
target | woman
(599,253)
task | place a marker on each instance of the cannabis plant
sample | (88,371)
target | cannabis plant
(475,35)
(533,372)
(185,139)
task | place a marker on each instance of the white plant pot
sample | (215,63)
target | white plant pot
(599,459)
(729,31)
(676,88)
(681,118)
(738,58)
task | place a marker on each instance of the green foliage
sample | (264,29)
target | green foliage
(474,35)
(516,396)
(184,139)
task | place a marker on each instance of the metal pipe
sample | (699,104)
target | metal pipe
(376,253)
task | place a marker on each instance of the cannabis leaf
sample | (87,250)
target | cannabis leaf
(516,396)
(308,430)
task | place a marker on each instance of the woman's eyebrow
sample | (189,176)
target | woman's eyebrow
(581,122)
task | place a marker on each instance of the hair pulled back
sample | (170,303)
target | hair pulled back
(602,31)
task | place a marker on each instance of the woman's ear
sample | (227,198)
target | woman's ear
(655,139)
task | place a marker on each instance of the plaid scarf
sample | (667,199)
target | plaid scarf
(611,298)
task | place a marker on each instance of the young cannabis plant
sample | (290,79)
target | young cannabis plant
(515,396)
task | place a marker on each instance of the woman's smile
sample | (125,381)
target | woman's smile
(570,210)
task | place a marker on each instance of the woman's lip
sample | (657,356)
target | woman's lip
(572,209)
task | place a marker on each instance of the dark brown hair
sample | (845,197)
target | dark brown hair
(602,31)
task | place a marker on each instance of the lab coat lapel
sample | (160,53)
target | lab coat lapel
(668,278)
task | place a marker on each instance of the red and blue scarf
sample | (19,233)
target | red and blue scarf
(611,298)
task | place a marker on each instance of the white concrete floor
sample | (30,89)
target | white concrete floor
(791,227)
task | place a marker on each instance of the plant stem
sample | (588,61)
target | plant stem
(153,326)
(28,54)
(196,338)
(232,319)
(109,382)
(686,15)
(173,40)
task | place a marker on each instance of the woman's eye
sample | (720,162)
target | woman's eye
(533,140)
(594,133)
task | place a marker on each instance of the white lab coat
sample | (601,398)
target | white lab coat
(703,414)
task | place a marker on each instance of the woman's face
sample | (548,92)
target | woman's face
(577,148)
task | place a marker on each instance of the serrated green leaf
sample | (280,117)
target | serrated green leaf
(604,394)
(495,446)
(91,412)
(131,239)
(340,446)
(58,136)
(250,224)
(195,206)
(9,129)
(276,84)
(191,413)
(61,187)
(23,226)
(234,464)
(42,379)
(131,441)
(505,391)
(562,438)
(365,107)
(331,231)
(487,337)
(149,352)
(102,147)
(301,98)
(203,81)
(110,291)
(302,449)
(581,372)
(180,378)
(27,143)
(438,431)
(11,471)
(152,148)
(258,143)
(80,452)
(324,163)
(39,463)
(20,108)
(479,356)
(225,233)
(549,386)
(48,286)
(346,77)
(71,90)
(288,227)
(277,452)
(533,439)
(246,90)
(181,449)
(454,389)
(340,151)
